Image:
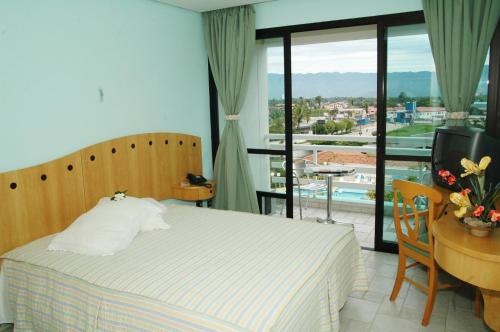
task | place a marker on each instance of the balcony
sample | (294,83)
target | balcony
(353,196)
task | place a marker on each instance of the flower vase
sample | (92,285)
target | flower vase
(477,227)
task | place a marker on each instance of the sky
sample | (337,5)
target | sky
(405,53)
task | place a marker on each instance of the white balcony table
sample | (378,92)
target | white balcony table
(330,171)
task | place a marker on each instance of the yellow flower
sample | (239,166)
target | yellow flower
(471,167)
(462,201)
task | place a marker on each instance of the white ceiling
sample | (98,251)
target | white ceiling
(206,5)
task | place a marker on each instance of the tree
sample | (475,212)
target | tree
(318,101)
(403,98)
(274,101)
(365,106)
(348,125)
(300,112)
(307,112)
(319,129)
(341,126)
(331,127)
(275,112)
(277,126)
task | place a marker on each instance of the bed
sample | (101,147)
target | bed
(212,271)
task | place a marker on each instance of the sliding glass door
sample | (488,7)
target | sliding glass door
(334,119)
(264,116)
(413,110)
(357,94)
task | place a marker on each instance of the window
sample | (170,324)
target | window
(320,85)
(415,107)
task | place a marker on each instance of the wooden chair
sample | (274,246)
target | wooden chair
(414,240)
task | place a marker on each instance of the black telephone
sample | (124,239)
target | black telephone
(198,180)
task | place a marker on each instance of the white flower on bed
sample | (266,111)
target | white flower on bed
(119,195)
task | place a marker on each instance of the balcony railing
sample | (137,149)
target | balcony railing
(407,146)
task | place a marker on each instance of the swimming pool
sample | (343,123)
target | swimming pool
(340,194)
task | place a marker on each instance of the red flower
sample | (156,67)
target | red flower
(494,215)
(465,191)
(447,176)
(478,211)
(444,173)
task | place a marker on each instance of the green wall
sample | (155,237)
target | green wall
(148,59)
(290,12)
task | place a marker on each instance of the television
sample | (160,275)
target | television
(451,144)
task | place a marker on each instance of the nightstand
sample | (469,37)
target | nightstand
(196,194)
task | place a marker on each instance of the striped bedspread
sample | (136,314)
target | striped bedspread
(212,271)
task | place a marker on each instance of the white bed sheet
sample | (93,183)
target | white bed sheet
(252,272)
(6,315)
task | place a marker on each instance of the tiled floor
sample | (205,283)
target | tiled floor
(372,310)
(364,224)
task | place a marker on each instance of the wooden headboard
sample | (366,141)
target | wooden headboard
(45,199)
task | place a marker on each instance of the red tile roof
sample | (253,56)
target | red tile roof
(344,158)
(352,158)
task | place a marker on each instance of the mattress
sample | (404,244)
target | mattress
(212,271)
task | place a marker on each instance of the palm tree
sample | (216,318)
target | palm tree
(300,112)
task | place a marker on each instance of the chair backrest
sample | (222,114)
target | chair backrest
(299,166)
(408,213)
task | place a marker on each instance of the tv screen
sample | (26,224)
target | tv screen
(451,144)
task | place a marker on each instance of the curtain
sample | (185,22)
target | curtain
(460,33)
(230,39)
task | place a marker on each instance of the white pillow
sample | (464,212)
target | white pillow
(149,212)
(162,208)
(152,220)
(109,227)
(99,232)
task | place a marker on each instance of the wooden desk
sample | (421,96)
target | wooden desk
(471,259)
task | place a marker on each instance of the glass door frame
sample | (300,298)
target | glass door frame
(383,22)
(382,157)
(288,196)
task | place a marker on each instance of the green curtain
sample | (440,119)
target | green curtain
(460,33)
(230,39)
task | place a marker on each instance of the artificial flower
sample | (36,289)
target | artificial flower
(471,167)
(483,209)
(463,203)
(460,212)
(444,173)
(465,191)
(494,215)
(478,211)
(119,195)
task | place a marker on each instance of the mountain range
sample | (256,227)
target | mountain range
(414,84)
